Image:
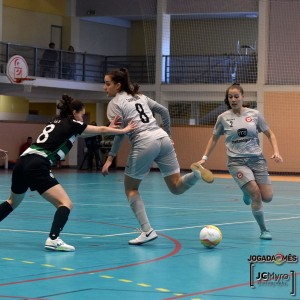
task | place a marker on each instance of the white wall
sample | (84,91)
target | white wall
(34,29)
(103,39)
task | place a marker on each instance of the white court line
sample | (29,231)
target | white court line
(205,205)
(83,235)
(68,233)
(205,209)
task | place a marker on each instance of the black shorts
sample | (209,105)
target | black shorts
(34,172)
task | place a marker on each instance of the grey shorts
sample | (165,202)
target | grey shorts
(246,169)
(142,156)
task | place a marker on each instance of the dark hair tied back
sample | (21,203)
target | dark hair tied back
(67,105)
(122,76)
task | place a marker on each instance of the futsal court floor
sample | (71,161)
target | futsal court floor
(174,266)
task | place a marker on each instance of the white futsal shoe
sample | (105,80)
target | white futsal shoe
(144,237)
(265,235)
(203,173)
(58,245)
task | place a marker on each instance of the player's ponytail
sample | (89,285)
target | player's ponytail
(122,76)
(67,105)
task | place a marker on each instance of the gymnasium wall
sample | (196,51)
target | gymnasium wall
(96,38)
(24,21)
(186,34)
(24,26)
(49,110)
(281,114)
(188,149)
(29,23)
(281,111)
(52,7)
(28,26)
(13,135)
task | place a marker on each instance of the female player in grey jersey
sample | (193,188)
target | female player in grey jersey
(33,168)
(149,143)
(246,162)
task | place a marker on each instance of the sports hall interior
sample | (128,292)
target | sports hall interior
(183,54)
(146,33)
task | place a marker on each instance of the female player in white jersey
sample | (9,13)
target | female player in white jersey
(149,143)
(33,168)
(246,162)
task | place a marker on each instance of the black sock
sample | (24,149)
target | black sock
(5,210)
(59,221)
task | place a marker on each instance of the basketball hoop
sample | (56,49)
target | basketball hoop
(17,72)
(27,83)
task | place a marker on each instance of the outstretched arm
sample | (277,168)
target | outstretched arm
(273,141)
(112,129)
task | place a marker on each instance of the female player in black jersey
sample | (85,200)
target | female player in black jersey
(33,168)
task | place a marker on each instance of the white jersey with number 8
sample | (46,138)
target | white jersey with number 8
(139,109)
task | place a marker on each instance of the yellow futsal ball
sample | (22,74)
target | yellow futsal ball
(210,236)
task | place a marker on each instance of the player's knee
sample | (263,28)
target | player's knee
(267,199)
(15,200)
(69,205)
(131,194)
(65,202)
(256,205)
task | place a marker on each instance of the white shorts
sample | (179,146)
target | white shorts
(142,156)
(245,169)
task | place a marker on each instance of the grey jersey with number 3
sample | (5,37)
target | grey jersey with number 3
(241,132)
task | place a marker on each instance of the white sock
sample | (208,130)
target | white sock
(189,179)
(138,208)
(260,219)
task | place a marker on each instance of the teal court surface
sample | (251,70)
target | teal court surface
(174,266)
